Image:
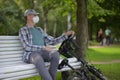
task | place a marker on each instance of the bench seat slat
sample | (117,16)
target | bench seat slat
(33,71)
(11,52)
(73,59)
(3,64)
(20,77)
(11,56)
(11,60)
(16,68)
(67,68)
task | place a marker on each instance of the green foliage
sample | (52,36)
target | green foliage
(113,5)
(101,13)
(10,17)
(95,10)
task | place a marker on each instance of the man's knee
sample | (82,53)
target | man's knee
(56,56)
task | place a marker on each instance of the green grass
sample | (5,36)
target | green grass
(32,78)
(39,78)
(104,53)
(111,71)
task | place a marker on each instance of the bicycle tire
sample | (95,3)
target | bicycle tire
(97,73)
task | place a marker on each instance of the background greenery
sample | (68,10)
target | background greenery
(101,13)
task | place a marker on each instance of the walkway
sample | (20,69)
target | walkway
(105,62)
(98,46)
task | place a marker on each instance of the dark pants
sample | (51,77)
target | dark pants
(108,40)
(39,59)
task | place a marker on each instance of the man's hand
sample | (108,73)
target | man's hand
(68,33)
(48,48)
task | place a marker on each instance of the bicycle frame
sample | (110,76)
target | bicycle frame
(65,49)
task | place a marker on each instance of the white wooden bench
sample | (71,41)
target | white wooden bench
(11,65)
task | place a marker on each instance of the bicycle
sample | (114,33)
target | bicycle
(86,72)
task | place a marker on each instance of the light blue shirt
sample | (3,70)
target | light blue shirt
(107,32)
(37,37)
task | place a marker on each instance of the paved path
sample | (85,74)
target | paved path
(105,62)
(98,46)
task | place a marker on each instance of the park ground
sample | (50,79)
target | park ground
(107,58)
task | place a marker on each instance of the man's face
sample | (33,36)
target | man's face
(30,17)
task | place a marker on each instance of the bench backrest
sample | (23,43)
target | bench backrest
(11,50)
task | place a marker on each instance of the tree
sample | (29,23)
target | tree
(10,17)
(82,27)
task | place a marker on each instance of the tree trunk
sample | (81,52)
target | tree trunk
(69,22)
(45,12)
(90,31)
(32,4)
(55,26)
(82,28)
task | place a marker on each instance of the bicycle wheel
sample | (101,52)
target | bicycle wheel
(74,77)
(96,72)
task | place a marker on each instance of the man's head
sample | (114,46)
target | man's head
(30,12)
(31,15)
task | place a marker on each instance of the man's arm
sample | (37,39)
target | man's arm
(53,41)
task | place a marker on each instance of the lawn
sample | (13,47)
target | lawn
(111,71)
(103,53)
(38,77)
(106,54)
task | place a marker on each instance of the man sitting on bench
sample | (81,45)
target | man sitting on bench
(35,42)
